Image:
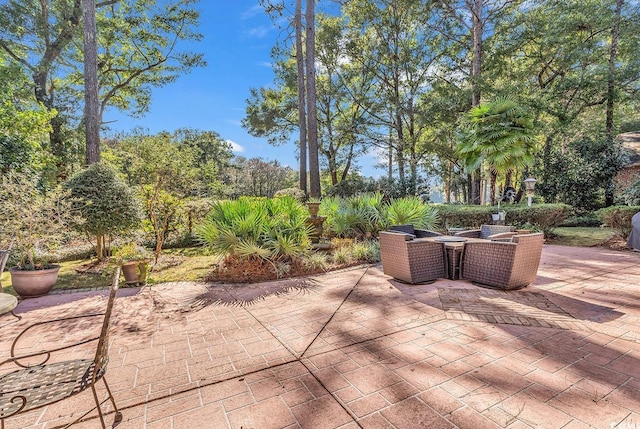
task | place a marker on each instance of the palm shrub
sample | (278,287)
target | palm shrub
(354,217)
(411,210)
(257,229)
(365,215)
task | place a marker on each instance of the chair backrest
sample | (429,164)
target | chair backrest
(529,243)
(101,359)
(409,229)
(488,230)
(527,258)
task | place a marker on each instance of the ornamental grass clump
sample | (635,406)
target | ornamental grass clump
(257,231)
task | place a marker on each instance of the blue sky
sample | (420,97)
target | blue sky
(238,37)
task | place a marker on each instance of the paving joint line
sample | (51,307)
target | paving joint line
(299,358)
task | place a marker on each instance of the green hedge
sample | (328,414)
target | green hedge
(541,216)
(618,218)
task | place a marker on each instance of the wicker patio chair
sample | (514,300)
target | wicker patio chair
(487,231)
(411,261)
(503,265)
(36,385)
(409,229)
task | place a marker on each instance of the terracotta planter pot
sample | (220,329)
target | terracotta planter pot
(135,272)
(33,283)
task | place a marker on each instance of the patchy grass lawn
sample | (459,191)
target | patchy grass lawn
(174,265)
(581,236)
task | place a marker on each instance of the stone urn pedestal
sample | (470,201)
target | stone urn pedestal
(316,223)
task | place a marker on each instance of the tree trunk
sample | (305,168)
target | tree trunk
(508,179)
(476,73)
(611,81)
(476,60)
(302,120)
(312,118)
(91,102)
(492,190)
(100,247)
(57,148)
(611,95)
(476,187)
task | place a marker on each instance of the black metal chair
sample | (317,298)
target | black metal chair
(36,385)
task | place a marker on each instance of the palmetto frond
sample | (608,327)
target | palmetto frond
(499,133)
(411,210)
(267,229)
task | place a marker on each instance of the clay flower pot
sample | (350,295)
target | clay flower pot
(33,283)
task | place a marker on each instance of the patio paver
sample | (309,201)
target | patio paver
(355,349)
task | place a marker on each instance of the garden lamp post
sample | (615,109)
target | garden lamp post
(529,184)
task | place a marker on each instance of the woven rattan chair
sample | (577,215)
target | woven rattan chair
(409,229)
(411,261)
(35,385)
(503,265)
(486,232)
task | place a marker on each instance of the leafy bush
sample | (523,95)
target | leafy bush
(34,220)
(580,173)
(161,209)
(257,229)
(618,218)
(544,216)
(590,220)
(631,195)
(469,216)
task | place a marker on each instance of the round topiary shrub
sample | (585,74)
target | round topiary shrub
(105,202)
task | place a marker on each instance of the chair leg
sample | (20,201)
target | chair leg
(95,396)
(118,414)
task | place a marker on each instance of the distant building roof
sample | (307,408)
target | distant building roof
(631,143)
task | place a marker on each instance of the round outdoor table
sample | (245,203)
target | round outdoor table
(453,231)
(8,303)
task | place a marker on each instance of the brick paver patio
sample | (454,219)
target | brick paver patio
(355,349)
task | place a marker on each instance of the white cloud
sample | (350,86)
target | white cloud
(267,64)
(252,11)
(258,32)
(235,146)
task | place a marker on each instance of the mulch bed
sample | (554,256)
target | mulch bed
(615,243)
(255,271)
